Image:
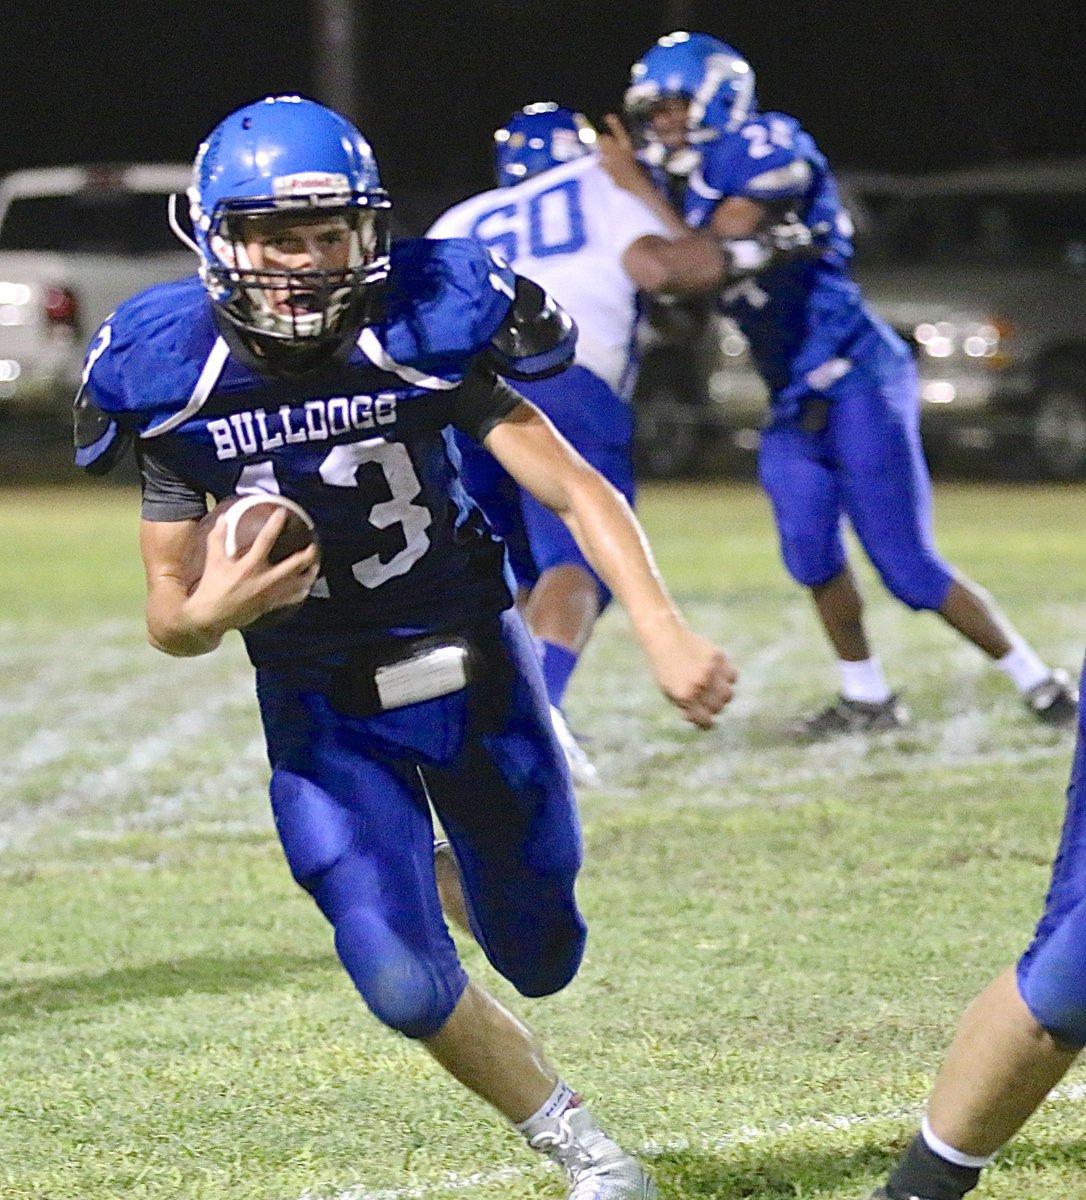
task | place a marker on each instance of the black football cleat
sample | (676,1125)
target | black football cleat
(854,716)
(1054,700)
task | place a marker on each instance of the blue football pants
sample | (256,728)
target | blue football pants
(867,465)
(1052,972)
(351,798)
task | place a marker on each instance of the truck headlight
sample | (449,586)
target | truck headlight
(983,339)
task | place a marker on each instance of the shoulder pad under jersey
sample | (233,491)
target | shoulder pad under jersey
(765,159)
(148,354)
(141,365)
(445,301)
(537,338)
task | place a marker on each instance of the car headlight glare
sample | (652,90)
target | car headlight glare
(983,339)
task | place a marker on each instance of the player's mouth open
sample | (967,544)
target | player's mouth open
(300,303)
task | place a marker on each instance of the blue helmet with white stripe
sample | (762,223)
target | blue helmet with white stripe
(713,78)
(290,160)
(538,137)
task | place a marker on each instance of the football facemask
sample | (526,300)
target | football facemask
(342,252)
(713,79)
(289,163)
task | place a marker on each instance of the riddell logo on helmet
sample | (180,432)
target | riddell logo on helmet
(310,181)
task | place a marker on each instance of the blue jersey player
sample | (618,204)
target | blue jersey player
(312,358)
(842,439)
(558,219)
(1016,1040)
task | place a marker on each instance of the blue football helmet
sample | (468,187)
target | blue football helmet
(712,77)
(538,137)
(290,160)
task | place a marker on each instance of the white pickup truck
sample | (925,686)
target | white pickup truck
(74,242)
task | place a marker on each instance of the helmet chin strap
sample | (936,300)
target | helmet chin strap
(294,309)
(179,231)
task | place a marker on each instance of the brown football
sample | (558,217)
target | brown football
(245,516)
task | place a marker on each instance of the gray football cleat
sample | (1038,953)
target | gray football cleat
(597,1167)
(854,716)
(1054,700)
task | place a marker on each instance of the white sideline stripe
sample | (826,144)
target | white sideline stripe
(97,786)
(91,685)
(744,1135)
(91,788)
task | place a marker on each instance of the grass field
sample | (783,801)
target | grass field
(782,936)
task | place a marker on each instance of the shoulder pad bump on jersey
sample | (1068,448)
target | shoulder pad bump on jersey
(537,337)
(99,441)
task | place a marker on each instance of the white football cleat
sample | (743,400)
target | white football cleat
(597,1168)
(581,770)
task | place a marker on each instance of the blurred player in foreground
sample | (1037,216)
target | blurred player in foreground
(1016,1040)
(312,359)
(557,218)
(843,437)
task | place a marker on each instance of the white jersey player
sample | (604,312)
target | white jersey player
(558,219)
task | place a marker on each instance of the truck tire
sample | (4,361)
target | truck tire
(1058,426)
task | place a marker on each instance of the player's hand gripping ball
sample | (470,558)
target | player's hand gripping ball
(244,517)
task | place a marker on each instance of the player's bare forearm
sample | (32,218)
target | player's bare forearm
(174,625)
(687,265)
(541,460)
(174,629)
(693,673)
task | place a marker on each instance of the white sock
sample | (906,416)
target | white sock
(555,1104)
(937,1146)
(863,681)
(1022,666)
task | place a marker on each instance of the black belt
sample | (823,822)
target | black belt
(402,671)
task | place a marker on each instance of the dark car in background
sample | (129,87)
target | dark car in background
(982,271)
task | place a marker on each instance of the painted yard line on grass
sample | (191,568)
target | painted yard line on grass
(62,669)
(90,789)
(707,784)
(745,1135)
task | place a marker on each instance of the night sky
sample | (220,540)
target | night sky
(909,84)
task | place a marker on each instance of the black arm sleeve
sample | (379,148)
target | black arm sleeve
(483,401)
(166,496)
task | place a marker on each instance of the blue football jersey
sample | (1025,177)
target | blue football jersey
(364,445)
(801,314)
